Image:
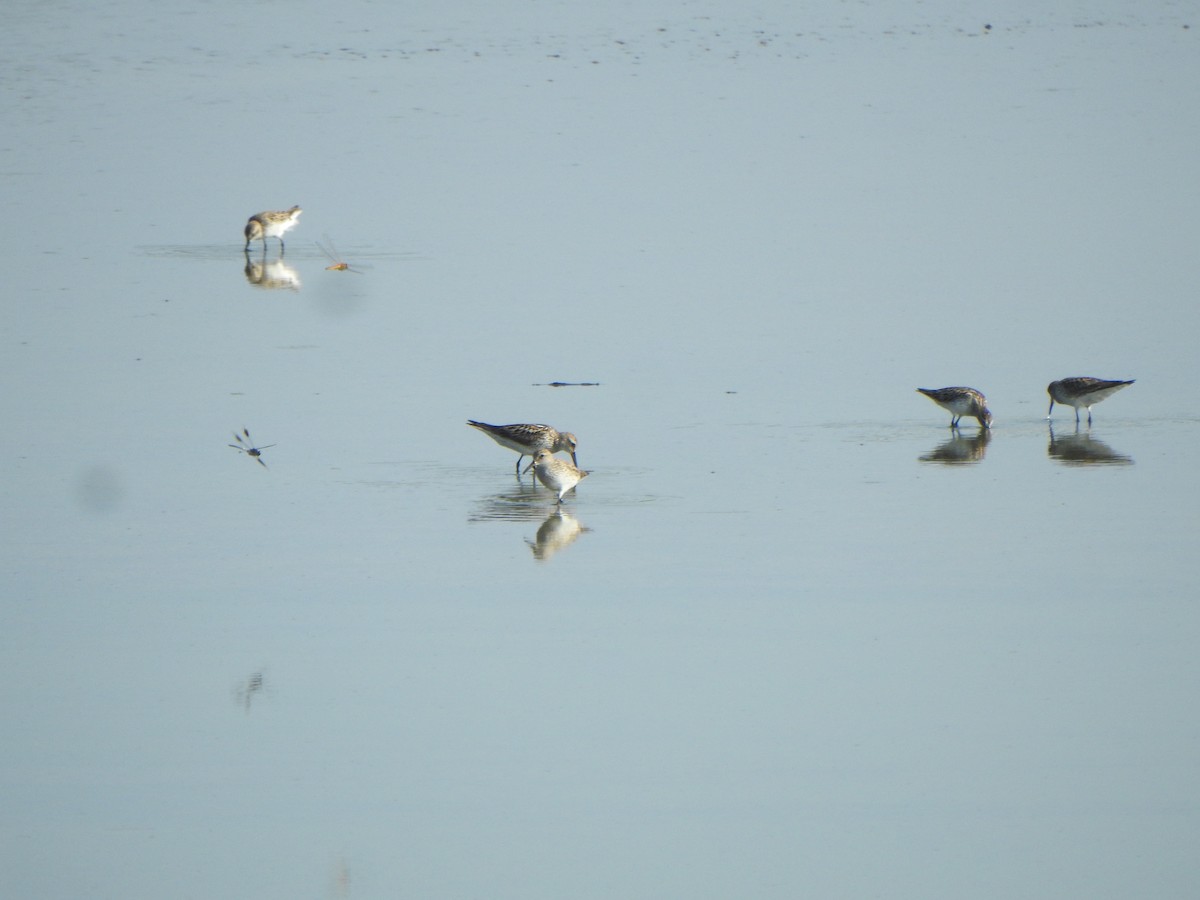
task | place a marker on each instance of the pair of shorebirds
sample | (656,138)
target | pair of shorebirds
(1077,392)
(541,442)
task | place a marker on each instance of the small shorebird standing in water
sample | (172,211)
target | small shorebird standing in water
(527,440)
(1082,391)
(263,225)
(961,401)
(556,474)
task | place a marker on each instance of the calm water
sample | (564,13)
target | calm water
(791,637)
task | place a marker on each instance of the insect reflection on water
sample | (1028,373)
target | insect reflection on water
(249,689)
(331,252)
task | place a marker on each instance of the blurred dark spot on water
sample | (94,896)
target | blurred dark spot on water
(99,489)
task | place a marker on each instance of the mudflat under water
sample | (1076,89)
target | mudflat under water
(791,636)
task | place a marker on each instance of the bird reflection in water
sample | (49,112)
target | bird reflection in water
(558,532)
(1081,449)
(960,449)
(271,275)
(527,503)
(249,689)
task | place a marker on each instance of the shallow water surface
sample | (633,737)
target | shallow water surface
(791,636)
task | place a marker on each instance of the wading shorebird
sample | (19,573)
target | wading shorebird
(527,440)
(961,401)
(271,223)
(1082,391)
(557,474)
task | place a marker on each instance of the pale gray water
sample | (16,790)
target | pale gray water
(787,639)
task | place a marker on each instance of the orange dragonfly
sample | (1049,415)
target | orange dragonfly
(339,265)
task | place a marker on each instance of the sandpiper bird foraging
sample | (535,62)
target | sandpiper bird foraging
(527,440)
(961,401)
(556,474)
(1083,392)
(271,223)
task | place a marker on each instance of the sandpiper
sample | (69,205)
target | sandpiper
(556,474)
(271,223)
(528,439)
(961,401)
(1082,391)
